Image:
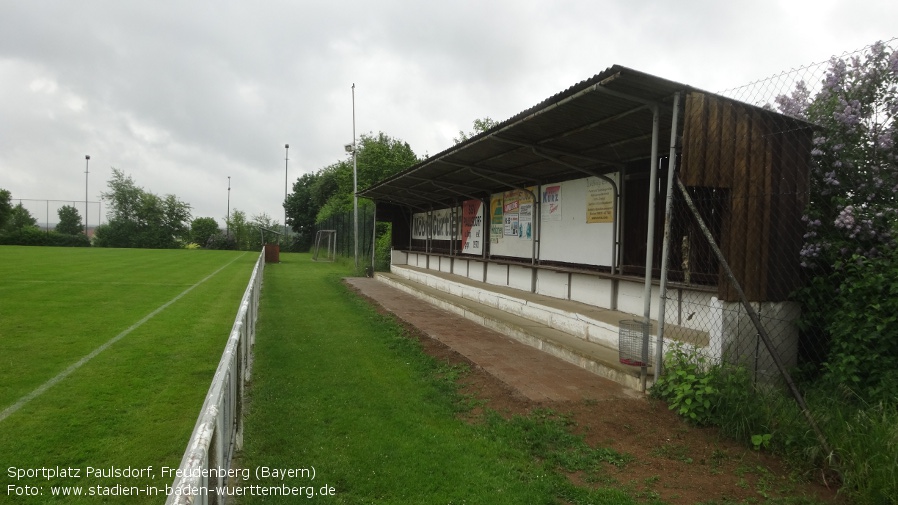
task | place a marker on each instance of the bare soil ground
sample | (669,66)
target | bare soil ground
(672,460)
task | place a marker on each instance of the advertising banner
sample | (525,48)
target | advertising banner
(440,226)
(599,201)
(497,219)
(517,208)
(550,203)
(472,227)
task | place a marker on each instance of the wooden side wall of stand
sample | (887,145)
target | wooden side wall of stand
(760,160)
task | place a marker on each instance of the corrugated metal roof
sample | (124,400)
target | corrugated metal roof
(595,126)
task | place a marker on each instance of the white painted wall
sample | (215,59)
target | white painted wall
(552,283)
(591,290)
(476,269)
(520,277)
(445,264)
(631,298)
(729,329)
(398,257)
(497,274)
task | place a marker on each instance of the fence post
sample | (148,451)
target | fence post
(665,246)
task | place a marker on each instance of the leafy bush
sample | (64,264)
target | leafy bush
(856,307)
(69,221)
(864,436)
(863,327)
(36,237)
(221,241)
(688,386)
(383,246)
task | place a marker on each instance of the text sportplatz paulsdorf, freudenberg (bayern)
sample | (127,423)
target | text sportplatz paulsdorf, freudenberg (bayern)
(123,481)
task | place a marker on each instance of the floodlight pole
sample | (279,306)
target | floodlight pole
(286,160)
(228,219)
(86,171)
(355,187)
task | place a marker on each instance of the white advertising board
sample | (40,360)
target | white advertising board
(576,220)
(441,225)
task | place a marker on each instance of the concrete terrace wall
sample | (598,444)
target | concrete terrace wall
(727,333)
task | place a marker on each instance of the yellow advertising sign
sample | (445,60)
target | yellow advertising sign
(599,201)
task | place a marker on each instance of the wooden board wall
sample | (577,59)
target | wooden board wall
(761,159)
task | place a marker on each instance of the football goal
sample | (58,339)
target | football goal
(328,239)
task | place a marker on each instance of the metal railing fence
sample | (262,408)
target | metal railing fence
(218,433)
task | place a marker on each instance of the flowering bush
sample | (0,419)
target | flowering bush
(854,170)
(850,251)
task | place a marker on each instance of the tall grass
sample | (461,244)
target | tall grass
(865,440)
(864,437)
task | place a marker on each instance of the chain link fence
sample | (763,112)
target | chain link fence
(46,212)
(344,226)
(773,219)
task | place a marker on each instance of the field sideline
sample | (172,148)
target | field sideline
(135,403)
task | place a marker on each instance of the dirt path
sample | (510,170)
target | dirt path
(672,461)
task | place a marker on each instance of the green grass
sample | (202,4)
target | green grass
(342,389)
(134,404)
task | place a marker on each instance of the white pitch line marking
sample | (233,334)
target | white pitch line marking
(75,366)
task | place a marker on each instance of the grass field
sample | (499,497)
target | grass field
(134,404)
(341,388)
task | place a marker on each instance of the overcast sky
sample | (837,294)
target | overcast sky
(182,94)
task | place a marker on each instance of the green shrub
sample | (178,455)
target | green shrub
(688,385)
(221,241)
(383,247)
(36,237)
(864,329)
(763,416)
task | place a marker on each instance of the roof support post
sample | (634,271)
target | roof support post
(453,225)
(487,239)
(650,244)
(665,247)
(374,238)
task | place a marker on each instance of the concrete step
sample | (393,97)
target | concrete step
(549,325)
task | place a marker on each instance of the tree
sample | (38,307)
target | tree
(330,190)
(381,156)
(240,229)
(69,221)
(20,219)
(139,218)
(202,228)
(5,207)
(480,126)
(301,211)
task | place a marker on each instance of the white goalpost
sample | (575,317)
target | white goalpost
(329,240)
